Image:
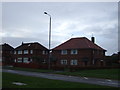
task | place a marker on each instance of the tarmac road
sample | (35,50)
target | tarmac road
(105,82)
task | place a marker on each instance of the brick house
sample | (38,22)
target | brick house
(79,52)
(6,54)
(30,55)
(119,56)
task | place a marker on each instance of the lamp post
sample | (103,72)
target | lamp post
(49,39)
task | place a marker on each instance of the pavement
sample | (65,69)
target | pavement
(96,81)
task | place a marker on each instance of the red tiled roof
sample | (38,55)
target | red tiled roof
(35,45)
(78,43)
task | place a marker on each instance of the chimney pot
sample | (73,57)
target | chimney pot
(93,39)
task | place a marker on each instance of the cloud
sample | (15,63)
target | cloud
(27,22)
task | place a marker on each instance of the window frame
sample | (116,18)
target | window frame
(74,62)
(63,52)
(19,51)
(26,60)
(72,51)
(25,52)
(19,60)
(31,51)
(63,62)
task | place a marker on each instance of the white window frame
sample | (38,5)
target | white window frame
(14,52)
(63,52)
(43,52)
(74,51)
(19,60)
(74,62)
(26,60)
(19,51)
(64,62)
(25,51)
(15,60)
(31,51)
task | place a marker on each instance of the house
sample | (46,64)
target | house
(79,52)
(113,60)
(6,54)
(119,57)
(30,55)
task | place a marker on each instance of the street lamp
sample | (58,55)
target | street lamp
(49,39)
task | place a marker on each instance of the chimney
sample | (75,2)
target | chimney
(93,39)
(22,43)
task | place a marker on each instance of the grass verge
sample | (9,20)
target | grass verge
(98,73)
(35,82)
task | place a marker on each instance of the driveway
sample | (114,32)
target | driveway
(105,82)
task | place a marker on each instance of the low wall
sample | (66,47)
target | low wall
(55,67)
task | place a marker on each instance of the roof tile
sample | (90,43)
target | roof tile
(78,43)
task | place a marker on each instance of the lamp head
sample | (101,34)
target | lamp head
(45,12)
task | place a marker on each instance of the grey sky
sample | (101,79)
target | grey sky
(26,22)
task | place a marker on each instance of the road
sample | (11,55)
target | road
(105,82)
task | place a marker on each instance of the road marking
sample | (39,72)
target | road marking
(85,78)
(108,80)
(18,83)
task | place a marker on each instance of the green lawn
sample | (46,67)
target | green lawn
(98,73)
(35,82)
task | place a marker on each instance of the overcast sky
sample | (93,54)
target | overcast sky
(26,22)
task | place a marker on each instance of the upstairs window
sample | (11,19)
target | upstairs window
(11,52)
(74,51)
(43,52)
(20,52)
(14,52)
(31,51)
(25,51)
(64,52)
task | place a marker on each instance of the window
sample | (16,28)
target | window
(11,52)
(25,51)
(47,52)
(74,51)
(1,52)
(43,52)
(64,62)
(15,60)
(74,62)
(64,52)
(44,61)
(31,51)
(20,52)
(14,52)
(30,59)
(25,60)
(0,59)
(19,60)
